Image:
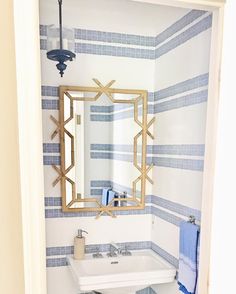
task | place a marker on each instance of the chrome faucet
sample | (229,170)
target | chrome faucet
(97,253)
(116,250)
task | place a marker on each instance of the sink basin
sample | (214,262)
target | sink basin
(127,273)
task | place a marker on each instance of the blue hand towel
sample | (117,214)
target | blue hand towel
(111,195)
(105,193)
(188,258)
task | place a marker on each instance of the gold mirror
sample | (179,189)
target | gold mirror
(103,141)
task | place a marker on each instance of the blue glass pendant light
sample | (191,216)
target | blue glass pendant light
(60,44)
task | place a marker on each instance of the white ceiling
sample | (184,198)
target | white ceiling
(123,16)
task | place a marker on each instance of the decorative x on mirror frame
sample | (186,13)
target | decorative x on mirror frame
(72,201)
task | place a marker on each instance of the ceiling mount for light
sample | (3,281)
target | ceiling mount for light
(60,43)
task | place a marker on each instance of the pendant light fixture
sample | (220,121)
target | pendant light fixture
(60,43)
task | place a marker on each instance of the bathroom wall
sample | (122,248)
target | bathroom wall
(180,103)
(165,51)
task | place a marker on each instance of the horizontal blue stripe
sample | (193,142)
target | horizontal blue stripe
(108,37)
(56,262)
(58,213)
(51,104)
(187,85)
(57,201)
(101,118)
(51,160)
(102,109)
(66,250)
(151,199)
(108,50)
(108,155)
(164,254)
(168,217)
(111,147)
(182,38)
(43,30)
(110,109)
(53,201)
(118,106)
(111,37)
(51,91)
(176,207)
(182,149)
(183,101)
(96,192)
(43,44)
(116,116)
(62,250)
(88,48)
(133,39)
(178,25)
(51,147)
(101,183)
(177,103)
(181,87)
(181,163)
(188,100)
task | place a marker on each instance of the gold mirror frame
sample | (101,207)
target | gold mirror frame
(62,171)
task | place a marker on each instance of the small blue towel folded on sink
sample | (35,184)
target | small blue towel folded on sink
(111,195)
(188,258)
(105,196)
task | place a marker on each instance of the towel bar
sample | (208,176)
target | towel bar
(192,219)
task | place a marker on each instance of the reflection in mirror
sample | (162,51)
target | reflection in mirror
(103,135)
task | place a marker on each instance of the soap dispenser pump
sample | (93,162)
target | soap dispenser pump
(79,245)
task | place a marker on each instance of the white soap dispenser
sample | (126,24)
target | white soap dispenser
(79,245)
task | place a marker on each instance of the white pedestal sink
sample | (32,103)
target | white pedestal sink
(122,274)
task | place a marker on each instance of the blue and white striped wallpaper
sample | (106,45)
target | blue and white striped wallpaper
(184,157)
(124,153)
(196,89)
(155,46)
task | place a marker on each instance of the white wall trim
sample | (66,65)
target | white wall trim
(222,273)
(210,150)
(26,18)
(30,129)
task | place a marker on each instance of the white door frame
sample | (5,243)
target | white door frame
(28,74)
(30,125)
(217,8)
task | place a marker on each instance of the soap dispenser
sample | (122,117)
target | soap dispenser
(79,245)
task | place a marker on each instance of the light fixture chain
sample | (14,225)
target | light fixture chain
(60,22)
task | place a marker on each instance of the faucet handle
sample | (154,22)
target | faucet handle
(125,251)
(112,250)
(96,249)
(97,253)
